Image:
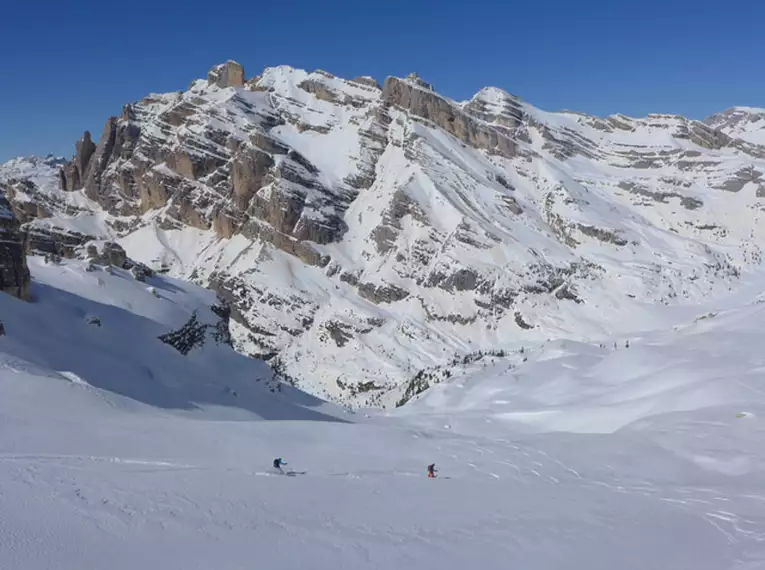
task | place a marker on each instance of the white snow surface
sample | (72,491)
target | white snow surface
(118,452)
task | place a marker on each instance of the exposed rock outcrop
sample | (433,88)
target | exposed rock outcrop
(415,96)
(188,337)
(368,81)
(74,173)
(112,254)
(14,273)
(194,333)
(107,253)
(49,239)
(229,74)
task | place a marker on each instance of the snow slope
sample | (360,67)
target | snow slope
(52,336)
(581,457)
(708,364)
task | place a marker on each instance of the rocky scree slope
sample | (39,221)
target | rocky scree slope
(363,233)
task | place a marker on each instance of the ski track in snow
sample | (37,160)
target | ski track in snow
(110,492)
(504,474)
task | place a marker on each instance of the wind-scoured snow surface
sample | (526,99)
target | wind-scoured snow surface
(118,452)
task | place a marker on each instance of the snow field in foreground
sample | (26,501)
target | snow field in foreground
(88,485)
(118,452)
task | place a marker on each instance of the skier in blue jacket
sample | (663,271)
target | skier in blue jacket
(278,464)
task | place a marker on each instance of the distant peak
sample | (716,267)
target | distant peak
(415,79)
(367,80)
(228,62)
(494,95)
(34,160)
(735,117)
(747,110)
(228,74)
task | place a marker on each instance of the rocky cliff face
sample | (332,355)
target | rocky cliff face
(14,273)
(54,222)
(420,101)
(361,234)
(229,74)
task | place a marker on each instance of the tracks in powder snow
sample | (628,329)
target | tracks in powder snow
(76,461)
(732,515)
(738,517)
(135,465)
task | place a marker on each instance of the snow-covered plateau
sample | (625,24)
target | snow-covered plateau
(562,312)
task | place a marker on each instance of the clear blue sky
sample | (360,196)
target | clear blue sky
(67,66)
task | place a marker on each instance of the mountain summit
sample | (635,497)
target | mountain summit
(363,233)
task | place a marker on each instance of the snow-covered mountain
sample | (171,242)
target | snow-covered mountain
(746,123)
(365,233)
